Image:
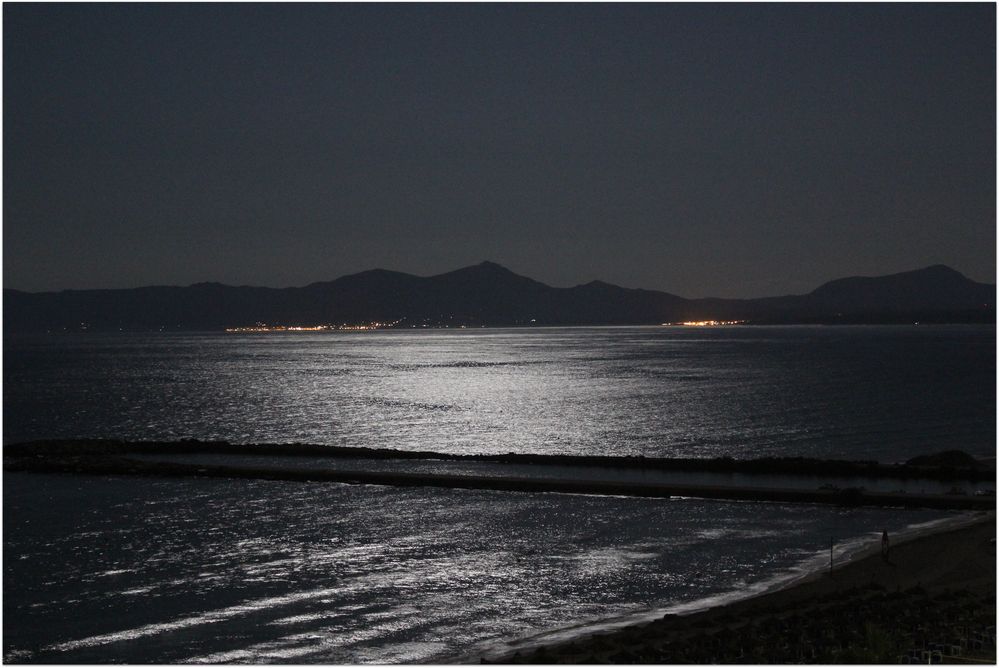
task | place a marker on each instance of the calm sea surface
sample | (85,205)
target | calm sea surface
(886,393)
(103,569)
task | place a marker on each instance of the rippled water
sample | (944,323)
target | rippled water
(134,570)
(103,569)
(886,393)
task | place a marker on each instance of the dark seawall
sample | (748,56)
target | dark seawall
(960,467)
(111,458)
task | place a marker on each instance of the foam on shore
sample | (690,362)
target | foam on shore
(810,568)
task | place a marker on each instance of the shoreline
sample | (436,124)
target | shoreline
(813,567)
(953,557)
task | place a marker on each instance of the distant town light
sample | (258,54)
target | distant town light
(261,327)
(704,323)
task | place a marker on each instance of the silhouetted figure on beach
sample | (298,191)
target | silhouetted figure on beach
(884,545)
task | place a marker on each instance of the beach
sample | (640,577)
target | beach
(931,600)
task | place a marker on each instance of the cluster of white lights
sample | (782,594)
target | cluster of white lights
(705,323)
(261,327)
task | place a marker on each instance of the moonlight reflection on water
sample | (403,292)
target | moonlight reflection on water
(250,570)
(238,570)
(886,393)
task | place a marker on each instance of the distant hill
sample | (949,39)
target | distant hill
(489,294)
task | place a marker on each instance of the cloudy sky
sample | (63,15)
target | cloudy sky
(705,150)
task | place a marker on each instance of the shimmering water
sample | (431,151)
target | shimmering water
(141,570)
(137,570)
(885,393)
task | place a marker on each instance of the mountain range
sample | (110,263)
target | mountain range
(488,294)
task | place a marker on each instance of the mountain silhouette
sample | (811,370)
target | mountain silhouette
(933,287)
(490,294)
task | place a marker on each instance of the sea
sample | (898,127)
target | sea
(118,569)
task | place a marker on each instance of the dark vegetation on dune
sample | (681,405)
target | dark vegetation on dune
(949,459)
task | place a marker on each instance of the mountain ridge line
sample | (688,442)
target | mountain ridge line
(488,294)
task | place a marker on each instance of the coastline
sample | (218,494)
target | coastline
(681,633)
(946,561)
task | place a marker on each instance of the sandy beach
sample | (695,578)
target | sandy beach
(932,600)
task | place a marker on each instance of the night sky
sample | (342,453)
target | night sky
(704,150)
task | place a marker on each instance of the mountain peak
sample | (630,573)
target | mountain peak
(939,270)
(488,274)
(492,266)
(935,287)
(484,268)
(597,284)
(927,276)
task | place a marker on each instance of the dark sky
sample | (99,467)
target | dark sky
(705,150)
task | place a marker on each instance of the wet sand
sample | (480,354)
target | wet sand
(932,600)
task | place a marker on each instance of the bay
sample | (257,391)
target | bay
(884,393)
(100,569)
